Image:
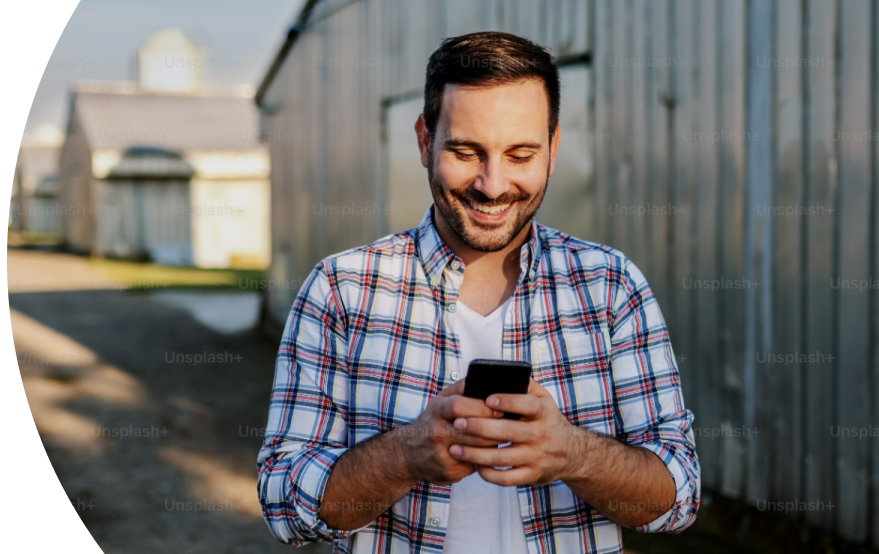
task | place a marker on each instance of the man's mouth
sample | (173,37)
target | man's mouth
(488,210)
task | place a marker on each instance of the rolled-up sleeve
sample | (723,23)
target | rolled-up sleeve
(648,397)
(307,427)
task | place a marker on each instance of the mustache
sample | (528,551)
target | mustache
(473,196)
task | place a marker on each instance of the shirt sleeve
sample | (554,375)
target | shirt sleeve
(648,395)
(307,429)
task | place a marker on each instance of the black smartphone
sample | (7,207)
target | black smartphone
(486,377)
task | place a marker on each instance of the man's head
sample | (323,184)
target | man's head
(488,134)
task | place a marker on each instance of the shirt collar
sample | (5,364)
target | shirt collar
(435,255)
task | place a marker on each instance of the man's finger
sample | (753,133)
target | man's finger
(505,477)
(455,388)
(461,406)
(536,389)
(503,430)
(509,456)
(525,404)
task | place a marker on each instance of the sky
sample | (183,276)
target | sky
(102,36)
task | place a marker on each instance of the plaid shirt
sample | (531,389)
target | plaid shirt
(370,339)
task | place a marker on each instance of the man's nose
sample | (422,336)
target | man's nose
(491,181)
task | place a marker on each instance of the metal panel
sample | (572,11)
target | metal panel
(874,250)
(786,380)
(570,194)
(621,154)
(603,103)
(821,177)
(685,159)
(661,112)
(408,188)
(730,214)
(579,17)
(707,268)
(631,213)
(853,463)
(758,251)
(463,16)
(712,134)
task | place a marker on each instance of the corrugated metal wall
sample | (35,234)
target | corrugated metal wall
(738,169)
(754,126)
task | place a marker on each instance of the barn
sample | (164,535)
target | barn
(33,207)
(165,169)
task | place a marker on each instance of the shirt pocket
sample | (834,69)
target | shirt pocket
(575,367)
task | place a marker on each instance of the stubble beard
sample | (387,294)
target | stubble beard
(456,217)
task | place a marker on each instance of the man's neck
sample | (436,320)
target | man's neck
(490,277)
(500,262)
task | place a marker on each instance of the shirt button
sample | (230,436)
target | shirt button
(456,265)
(452,308)
(455,375)
(434,521)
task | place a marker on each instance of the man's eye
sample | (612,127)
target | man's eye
(521,159)
(465,157)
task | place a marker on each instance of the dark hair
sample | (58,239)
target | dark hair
(488,58)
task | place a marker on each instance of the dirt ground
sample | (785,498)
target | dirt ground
(155,447)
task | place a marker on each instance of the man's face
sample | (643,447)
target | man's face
(490,160)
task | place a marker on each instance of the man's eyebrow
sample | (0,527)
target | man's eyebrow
(453,143)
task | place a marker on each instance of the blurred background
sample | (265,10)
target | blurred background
(186,165)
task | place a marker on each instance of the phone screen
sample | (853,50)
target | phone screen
(486,377)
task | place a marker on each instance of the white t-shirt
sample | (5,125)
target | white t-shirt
(483,517)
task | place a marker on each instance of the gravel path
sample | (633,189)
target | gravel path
(151,420)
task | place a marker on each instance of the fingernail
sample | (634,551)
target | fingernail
(460,423)
(494,401)
(455,450)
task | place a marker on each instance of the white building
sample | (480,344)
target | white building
(33,207)
(165,168)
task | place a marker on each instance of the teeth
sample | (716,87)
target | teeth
(489,209)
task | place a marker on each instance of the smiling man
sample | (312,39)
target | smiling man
(370,443)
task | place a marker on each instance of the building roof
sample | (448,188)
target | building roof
(289,40)
(120,116)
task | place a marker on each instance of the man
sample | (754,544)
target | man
(370,442)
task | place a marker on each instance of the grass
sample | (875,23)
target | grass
(27,238)
(148,276)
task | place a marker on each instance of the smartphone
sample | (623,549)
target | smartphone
(486,377)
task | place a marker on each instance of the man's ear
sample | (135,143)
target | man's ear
(423,136)
(554,147)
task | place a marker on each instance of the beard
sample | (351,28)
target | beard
(484,237)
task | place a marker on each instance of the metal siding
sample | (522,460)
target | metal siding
(853,463)
(570,194)
(731,216)
(762,429)
(874,250)
(642,139)
(621,154)
(787,315)
(758,253)
(707,268)
(464,16)
(603,102)
(819,464)
(660,152)
(680,315)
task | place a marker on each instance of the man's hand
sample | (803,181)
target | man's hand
(428,438)
(542,440)
(629,485)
